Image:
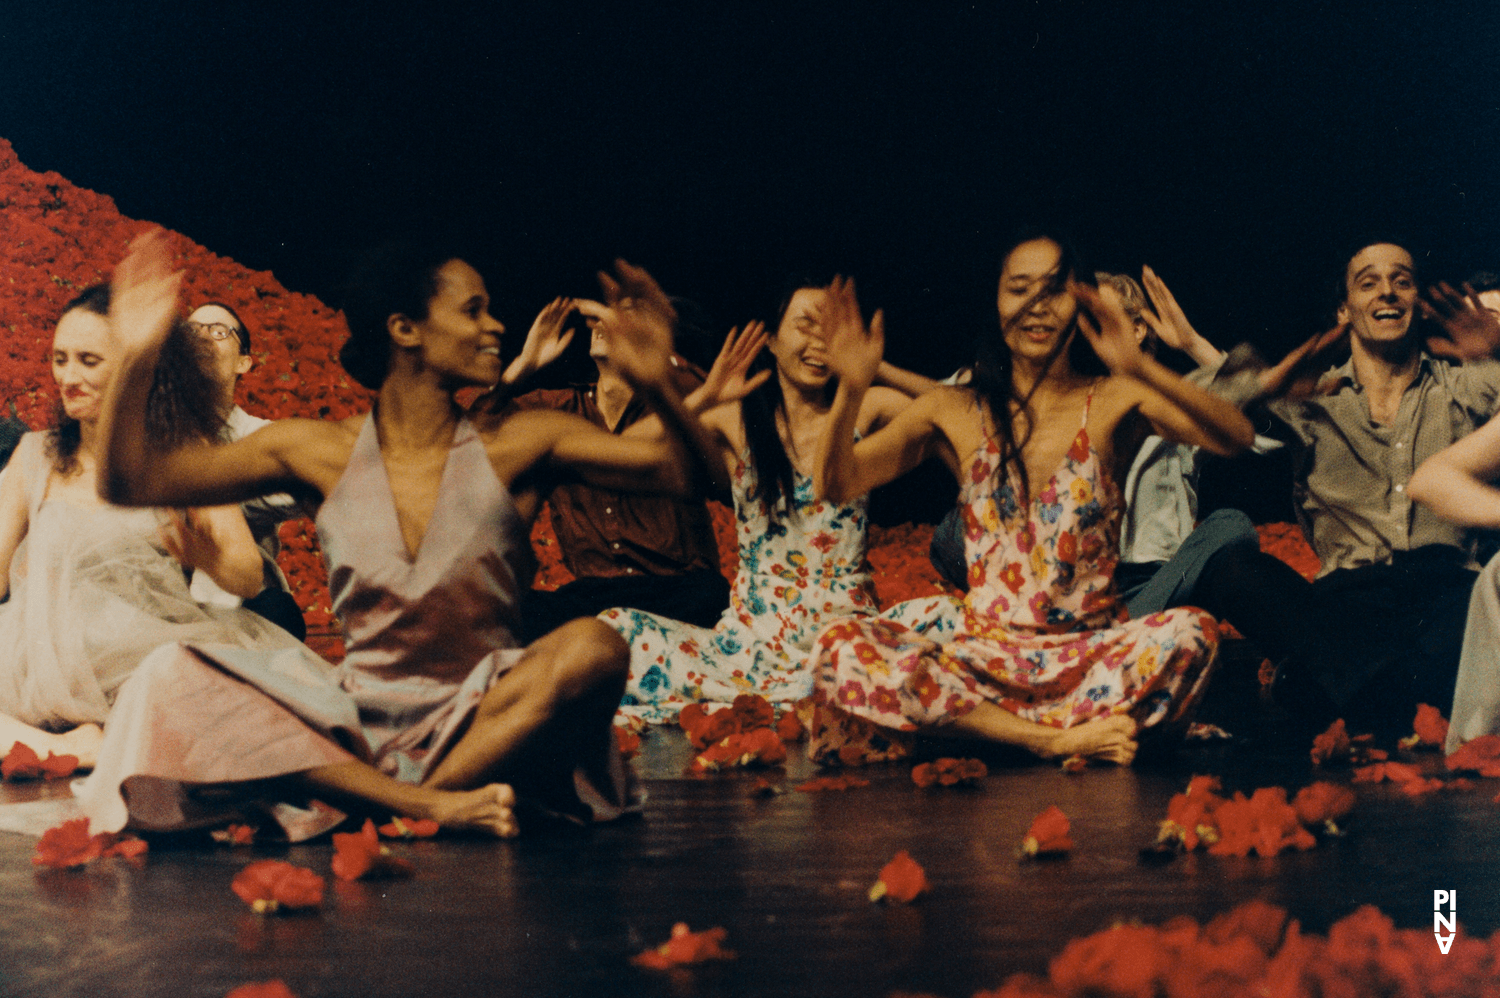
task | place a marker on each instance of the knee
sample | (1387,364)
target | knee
(591,656)
(1232,527)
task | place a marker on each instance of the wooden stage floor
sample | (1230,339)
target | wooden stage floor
(559,914)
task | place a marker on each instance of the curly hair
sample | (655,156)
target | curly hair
(181,407)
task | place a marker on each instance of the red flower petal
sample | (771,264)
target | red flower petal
(1049,834)
(902,879)
(262,989)
(1323,802)
(69,844)
(821,783)
(235,835)
(1482,755)
(1332,745)
(686,947)
(271,884)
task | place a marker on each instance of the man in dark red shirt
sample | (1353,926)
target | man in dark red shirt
(652,553)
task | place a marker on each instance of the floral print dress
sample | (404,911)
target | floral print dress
(796,574)
(1042,633)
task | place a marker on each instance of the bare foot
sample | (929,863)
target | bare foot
(489,809)
(1105,739)
(83,742)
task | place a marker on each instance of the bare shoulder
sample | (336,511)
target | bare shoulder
(1116,397)
(881,405)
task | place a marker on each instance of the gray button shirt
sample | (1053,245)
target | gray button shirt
(1351,473)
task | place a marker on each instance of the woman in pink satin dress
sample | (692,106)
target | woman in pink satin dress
(424,515)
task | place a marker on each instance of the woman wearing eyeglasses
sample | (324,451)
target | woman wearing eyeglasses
(95,587)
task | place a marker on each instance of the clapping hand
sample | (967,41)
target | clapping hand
(854,350)
(1473,330)
(726,381)
(545,342)
(638,322)
(1108,328)
(143,294)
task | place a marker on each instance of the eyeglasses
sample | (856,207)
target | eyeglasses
(214,330)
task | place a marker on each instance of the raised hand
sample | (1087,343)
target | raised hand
(726,381)
(854,351)
(1173,326)
(143,294)
(638,323)
(1297,373)
(545,342)
(1473,331)
(1108,328)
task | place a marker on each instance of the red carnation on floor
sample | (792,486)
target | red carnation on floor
(1264,823)
(1049,834)
(409,828)
(628,742)
(262,989)
(788,727)
(69,844)
(1429,728)
(358,854)
(235,835)
(949,772)
(1190,815)
(902,879)
(1481,755)
(758,747)
(273,884)
(686,947)
(1323,804)
(1331,745)
(21,763)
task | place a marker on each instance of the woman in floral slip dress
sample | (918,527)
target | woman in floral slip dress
(801,558)
(1044,656)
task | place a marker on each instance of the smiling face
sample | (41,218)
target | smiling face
(1380,294)
(81,362)
(459,338)
(798,346)
(228,362)
(1034,315)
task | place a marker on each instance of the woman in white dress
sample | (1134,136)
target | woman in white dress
(92,587)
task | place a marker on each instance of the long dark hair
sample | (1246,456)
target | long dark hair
(775,479)
(994,384)
(182,405)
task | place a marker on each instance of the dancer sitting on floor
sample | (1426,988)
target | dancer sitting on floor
(801,558)
(1044,658)
(93,588)
(435,711)
(1167,557)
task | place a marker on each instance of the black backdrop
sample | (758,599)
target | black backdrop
(725,146)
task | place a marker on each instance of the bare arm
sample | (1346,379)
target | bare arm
(1455,482)
(906,382)
(134,473)
(217,540)
(1176,409)
(14,515)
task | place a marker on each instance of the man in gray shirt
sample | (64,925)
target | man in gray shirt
(1394,585)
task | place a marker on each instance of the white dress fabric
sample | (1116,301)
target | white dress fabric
(92,592)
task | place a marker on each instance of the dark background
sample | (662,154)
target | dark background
(1241,150)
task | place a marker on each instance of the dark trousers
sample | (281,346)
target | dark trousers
(277,606)
(1374,641)
(695,597)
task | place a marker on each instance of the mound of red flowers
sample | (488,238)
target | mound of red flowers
(1264,823)
(746,733)
(1256,950)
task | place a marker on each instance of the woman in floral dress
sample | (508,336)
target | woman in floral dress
(801,558)
(1044,656)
